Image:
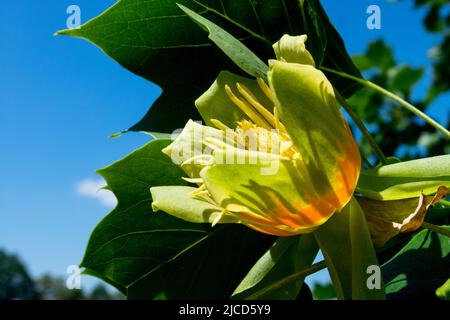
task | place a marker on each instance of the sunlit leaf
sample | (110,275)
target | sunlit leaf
(287,255)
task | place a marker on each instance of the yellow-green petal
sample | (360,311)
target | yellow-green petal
(284,203)
(189,144)
(178,201)
(309,111)
(293,49)
(215,103)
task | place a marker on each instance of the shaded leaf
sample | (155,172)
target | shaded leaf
(287,255)
(155,40)
(327,46)
(132,241)
(419,268)
(232,47)
(323,291)
(209,269)
(348,251)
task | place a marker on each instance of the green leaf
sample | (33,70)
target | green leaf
(405,179)
(132,221)
(323,291)
(133,241)
(363,101)
(287,255)
(379,55)
(327,46)
(363,62)
(403,78)
(155,40)
(232,47)
(443,292)
(348,251)
(314,25)
(419,268)
(439,214)
(209,269)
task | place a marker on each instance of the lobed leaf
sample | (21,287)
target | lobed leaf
(155,40)
(133,243)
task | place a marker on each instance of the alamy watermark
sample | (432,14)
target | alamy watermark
(374,20)
(374,277)
(73,281)
(74,19)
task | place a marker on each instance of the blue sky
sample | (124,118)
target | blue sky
(61,97)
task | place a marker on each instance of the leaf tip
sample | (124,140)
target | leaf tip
(180,6)
(68,32)
(117,135)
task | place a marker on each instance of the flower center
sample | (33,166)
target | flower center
(262,131)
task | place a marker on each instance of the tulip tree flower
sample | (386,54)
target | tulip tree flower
(277,157)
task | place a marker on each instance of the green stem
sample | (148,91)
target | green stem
(435,228)
(362,127)
(365,160)
(392,96)
(286,280)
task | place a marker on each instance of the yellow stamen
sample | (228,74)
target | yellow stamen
(231,137)
(265,88)
(247,94)
(214,143)
(202,159)
(201,193)
(220,125)
(247,109)
(286,146)
(277,118)
(193,180)
(296,156)
(200,190)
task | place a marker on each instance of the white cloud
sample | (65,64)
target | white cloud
(91,188)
